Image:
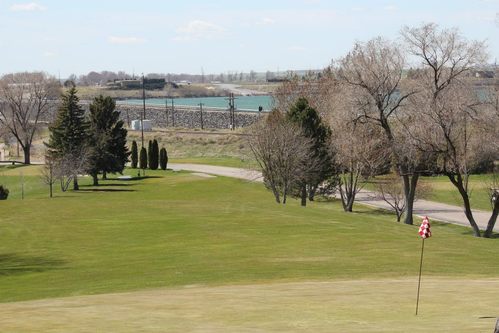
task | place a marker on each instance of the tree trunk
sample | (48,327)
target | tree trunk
(311,193)
(410,185)
(104,175)
(492,220)
(351,200)
(26,151)
(399,214)
(76,187)
(304,195)
(50,186)
(96,179)
(458,183)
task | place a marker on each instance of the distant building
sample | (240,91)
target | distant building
(149,84)
(135,126)
(485,74)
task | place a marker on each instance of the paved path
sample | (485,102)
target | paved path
(434,210)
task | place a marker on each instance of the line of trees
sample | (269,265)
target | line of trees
(152,158)
(376,118)
(80,143)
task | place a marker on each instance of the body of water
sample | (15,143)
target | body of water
(246,103)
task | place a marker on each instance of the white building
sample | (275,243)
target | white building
(136,126)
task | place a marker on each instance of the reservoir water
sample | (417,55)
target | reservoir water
(243,103)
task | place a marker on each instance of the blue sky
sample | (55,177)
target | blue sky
(184,36)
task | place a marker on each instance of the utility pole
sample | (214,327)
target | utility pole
(142,117)
(201,111)
(173,114)
(166,110)
(232,111)
(144,95)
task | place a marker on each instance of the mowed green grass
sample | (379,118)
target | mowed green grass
(178,229)
(442,190)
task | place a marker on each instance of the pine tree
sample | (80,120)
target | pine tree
(107,138)
(149,154)
(154,155)
(163,159)
(321,168)
(143,158)
(68,133)
(135,155)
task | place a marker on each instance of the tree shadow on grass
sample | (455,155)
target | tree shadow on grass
(108,185)
(14,264)
(132,178)
(104,190)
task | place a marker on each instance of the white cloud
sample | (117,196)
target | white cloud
(197,29)
(390,8)
(125,40)
(49,54)
(26,7)
(266,21)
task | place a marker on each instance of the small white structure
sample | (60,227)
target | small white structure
(136,126)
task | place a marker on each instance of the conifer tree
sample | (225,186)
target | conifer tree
(135,155)
(143,158)
(154,155)
(107,138)
(163,159)
(149,154)
(68,133)
(321,165)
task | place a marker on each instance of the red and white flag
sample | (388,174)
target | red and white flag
(424,229)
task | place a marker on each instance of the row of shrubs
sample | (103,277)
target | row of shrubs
(151,158)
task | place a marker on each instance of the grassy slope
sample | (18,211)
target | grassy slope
(386,305)
(444,191)
(217,148)
(180,229)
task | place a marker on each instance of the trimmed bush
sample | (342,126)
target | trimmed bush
(4,193)
(163,159)
(154,155)
(135,155)
(143,158)
(149,154)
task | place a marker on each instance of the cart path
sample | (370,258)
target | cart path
(434,210)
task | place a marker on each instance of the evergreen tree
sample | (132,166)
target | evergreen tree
(68,133)
(143,158)
(154,155)
(107,138)
(321,167)
(149,154)
(135,154)
(163,159)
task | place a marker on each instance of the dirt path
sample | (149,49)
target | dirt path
(434,210)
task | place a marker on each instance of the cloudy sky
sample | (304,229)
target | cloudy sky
(219,35)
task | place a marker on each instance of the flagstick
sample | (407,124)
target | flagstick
(419,282)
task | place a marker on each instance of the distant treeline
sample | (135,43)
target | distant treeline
(104,77)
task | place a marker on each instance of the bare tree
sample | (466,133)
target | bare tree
(391,190)
(70,165)
(282,152)
(315,88)
(24,98)
(374,72)
(49,173)
(452,114)
(360,148)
